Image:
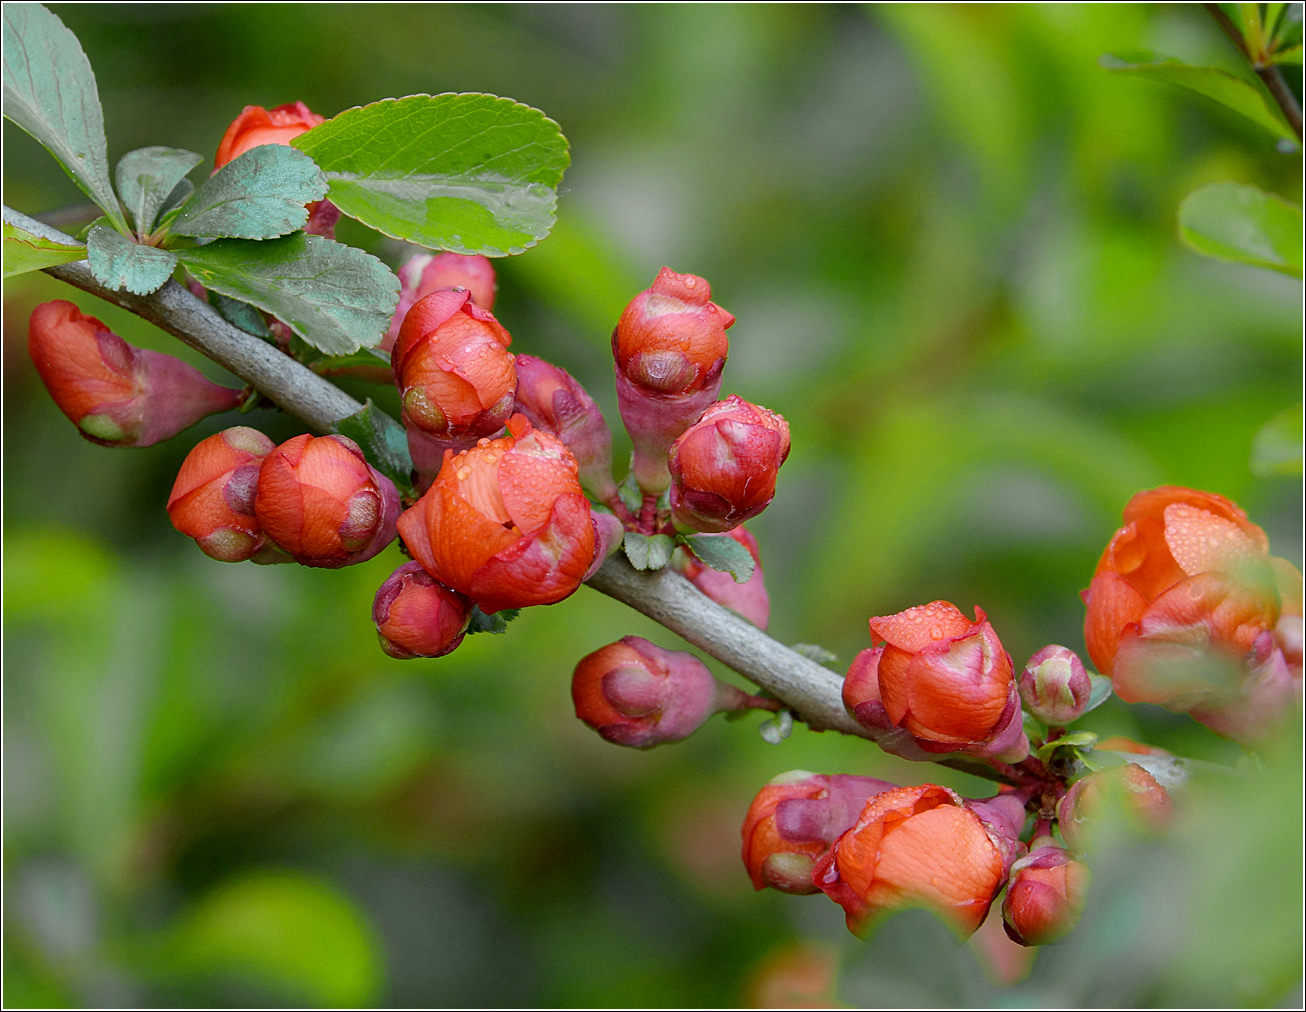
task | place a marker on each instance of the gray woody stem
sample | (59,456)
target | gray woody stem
(812,692)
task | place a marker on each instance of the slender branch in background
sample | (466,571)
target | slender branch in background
(813,693)
(1270,74)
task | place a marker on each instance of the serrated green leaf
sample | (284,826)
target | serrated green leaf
(648,551)
(1277,448)
(468,173)
(1076,740)
(49,91)
(240,314)
(496,623)
(147,177)
(1232,92)
(1099,692)
(814,652)
(260,195)
(117,262)
(384,443)
(1230,221)
(25,252)
(335,297)
(722,553)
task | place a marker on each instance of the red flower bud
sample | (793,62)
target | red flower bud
(506,522)
(417,616)
(913,846)
(1143,801)
(941,678)
(116,394)
(322,504)
(670,347)
(557,404)
(1045,896)
(1054,686)
(453,369)
(425,273)
(795,819)
(212,499)
(748,598)
(1184,611)
(634,693)
(723,468)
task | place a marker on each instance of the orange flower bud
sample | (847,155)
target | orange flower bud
(944,680)
(672,338)
(425,273)
(913,847)
(116,394)
(322,504)
(795,819)
(1144,802)
(723,468)
(417,616)
(256,126)
(1045,896)
(506,522)
(212,499)
(452,366)
(748,598)
(1186,610)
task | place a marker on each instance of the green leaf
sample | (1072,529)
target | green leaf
(648,551)
(1290,55)
(25,252)
(148,177)
(496,623)
(630,494)
(117,262)
(1099,692)
(1076,740)
(1232,92)
(384,442)
(49,91)
(723,553)
(468,173)
(240,314)
(1230,221)
(260,195)
(814,652)
(1277,448)
(335,297)
(1096,759)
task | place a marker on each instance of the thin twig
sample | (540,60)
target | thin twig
(1269,74)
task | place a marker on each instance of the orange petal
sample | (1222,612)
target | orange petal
(1200,541)
(918,627)
(1113,605)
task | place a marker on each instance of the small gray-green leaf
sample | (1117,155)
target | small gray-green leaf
(469,173)
(723,553)
(147,177)
(119,263)
(49,91)
(1230,221)
(1075,740)
(1098,693)
(648,551)
(25,252)
(384,443)
(240,314)
(814,652)
(630,494)
(496,623)
(1232,92)
(1277,448)
(260,195)
(337,298)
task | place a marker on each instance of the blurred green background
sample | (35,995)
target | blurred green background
(949,239)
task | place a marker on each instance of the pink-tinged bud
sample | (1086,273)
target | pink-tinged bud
(724,466)
(634,693)
(116,394)
(748,598)
(1055,686)
(913,847)
(453,369)
(1045,896)
(795,819)
(212,499)
(322,504)
(670,347)
(425,273)
(506,522)
(554,402)
(1143,801)
(942,679)
(417,616)
(1003,816)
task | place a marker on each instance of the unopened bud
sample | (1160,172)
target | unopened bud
(1054,686)
(417,616)
(425,273)
(1143,801)
(554,402)
(115,394)
(724,466)
(1045,896)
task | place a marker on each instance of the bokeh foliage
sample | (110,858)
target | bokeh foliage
(950,240)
